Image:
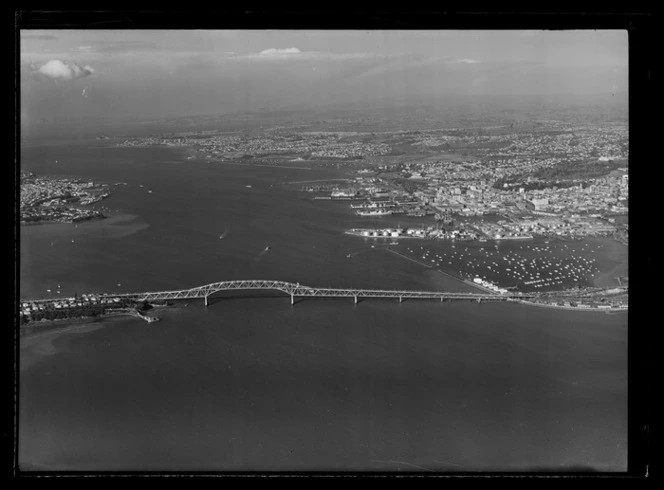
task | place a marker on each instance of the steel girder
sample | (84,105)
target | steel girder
(299,290)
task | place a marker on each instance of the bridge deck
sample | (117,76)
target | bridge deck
(299,290)
(296,289)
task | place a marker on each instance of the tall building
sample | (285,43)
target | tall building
(539,204)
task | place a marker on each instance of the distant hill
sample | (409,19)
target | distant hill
(408,113)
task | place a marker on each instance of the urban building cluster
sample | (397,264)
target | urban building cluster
(547,138)
(85,305)
(608,194)
(585,298)
(303,144)
(576,203)
(53,199)
(466,188)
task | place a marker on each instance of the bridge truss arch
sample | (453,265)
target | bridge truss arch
(299,290)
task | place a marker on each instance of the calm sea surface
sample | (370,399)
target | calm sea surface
(253,383)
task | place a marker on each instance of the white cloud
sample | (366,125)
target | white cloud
(65,71)
(287,54)
(279,51)
(466,60)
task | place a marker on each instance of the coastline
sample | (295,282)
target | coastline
(571,308)
(354,233)
(483,239)
(48,325)
(59,222)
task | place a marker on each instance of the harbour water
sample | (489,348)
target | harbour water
(253,383)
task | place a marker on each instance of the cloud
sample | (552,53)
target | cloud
(466,60)
(65,71)
(272,54)
(279,51)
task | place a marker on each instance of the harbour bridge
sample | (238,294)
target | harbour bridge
(297,290)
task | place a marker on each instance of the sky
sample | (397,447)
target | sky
(83,74)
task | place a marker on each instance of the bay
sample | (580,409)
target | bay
(252,383)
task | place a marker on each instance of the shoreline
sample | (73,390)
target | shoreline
(44,325)
(571,308)
(225,162)
(110,216)
(56,222)
(353,233)
(474,240)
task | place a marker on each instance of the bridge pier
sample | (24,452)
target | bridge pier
(292,299)
(400,299)
(206,300)
(355,299)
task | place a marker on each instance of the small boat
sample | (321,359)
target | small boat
(348,256)
(248,186)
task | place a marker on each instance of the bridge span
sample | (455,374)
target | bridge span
(297,290)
